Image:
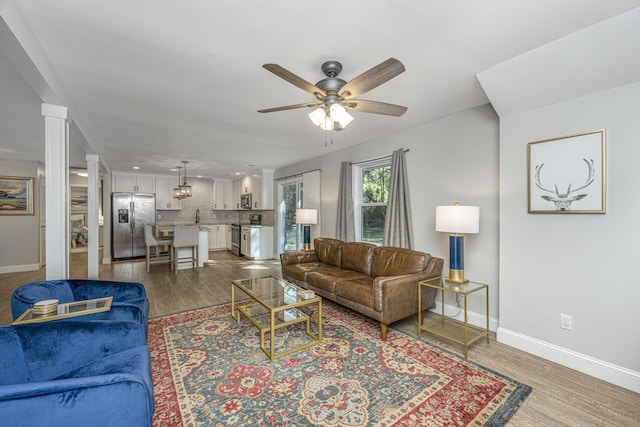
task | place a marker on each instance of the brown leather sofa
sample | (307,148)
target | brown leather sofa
(377,281)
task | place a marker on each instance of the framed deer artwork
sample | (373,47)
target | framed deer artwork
(568,174)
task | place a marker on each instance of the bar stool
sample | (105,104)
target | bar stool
(185,236)
(155,256)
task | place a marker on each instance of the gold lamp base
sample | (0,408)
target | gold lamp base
(457,277)
(306,246)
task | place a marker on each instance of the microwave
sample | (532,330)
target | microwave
(245,201)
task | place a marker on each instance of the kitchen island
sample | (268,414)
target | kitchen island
(203,244)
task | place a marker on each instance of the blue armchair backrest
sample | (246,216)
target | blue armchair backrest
(13,369)
(120,291)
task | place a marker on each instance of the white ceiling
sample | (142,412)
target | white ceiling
(153,82)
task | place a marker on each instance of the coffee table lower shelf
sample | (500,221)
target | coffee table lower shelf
(261,319)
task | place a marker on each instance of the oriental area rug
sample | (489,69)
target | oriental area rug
(209,370)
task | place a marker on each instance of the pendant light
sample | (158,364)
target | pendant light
(186,188)
(177,192)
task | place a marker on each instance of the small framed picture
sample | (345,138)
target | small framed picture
(16,195)
(568,174)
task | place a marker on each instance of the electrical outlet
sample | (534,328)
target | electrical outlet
(566,321)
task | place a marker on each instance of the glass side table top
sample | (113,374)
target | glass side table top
(66,310)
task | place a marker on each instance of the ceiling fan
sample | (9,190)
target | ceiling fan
(334,95)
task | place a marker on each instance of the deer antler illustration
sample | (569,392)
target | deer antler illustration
(563,200)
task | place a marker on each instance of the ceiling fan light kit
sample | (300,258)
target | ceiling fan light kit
(334,95)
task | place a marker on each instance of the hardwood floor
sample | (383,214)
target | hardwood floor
(560,397)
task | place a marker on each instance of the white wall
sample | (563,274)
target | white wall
(20,234)
(579,265)
(453,159)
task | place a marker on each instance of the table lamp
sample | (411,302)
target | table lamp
(457,220)
(306,217)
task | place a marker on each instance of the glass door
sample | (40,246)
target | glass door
(290,199)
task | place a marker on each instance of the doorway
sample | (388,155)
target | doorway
(290,198)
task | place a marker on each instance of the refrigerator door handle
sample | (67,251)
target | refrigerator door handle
(132,223)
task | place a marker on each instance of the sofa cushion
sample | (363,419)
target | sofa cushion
(359,290)
(357,256)
(327,278)
(328,250)
(300,271)
(390,261)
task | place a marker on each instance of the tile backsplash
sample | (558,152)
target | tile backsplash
(202,199)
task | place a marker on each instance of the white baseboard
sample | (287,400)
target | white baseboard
(476,319)
(19,268)
(605,371)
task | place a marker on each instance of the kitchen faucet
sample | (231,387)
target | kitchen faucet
(197,216)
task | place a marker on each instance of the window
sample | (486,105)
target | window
(371,190)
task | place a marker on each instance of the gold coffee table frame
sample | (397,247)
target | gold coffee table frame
(275,306)
(67,310)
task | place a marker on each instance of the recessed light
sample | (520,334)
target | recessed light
(136,167)
(198,176)
(238,173)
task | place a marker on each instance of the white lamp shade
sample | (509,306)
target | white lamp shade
(337,112)
(346,119)
(458,219)
(306,216)
(317,116)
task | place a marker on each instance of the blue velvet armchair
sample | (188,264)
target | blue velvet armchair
(71,373)
(129,298)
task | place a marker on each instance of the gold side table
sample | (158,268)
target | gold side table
(460,332)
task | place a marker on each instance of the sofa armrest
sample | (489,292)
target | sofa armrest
(287,258)
(396,297)
(107,400)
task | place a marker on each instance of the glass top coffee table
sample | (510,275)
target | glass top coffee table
(276,304)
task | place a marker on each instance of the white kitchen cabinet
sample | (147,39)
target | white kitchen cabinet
(223,194)
(257,242)
(260,185)
(245,241)
(133,183)
(229,241)
(237,191)
(217,236)
(264,189)
(164,194)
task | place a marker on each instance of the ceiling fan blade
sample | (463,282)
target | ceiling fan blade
(289,107)
(372,78)
(293,79)
(376,107)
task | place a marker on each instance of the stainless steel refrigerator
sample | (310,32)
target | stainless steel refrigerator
(131,211)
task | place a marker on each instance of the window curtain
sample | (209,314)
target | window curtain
(397,225)
(345,227)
